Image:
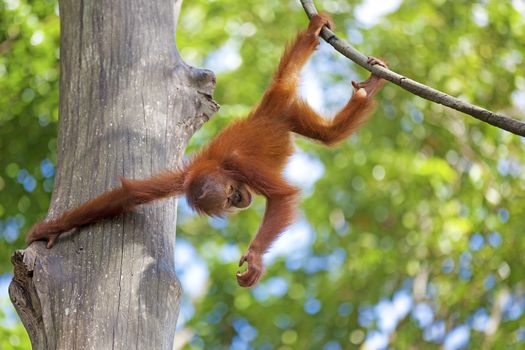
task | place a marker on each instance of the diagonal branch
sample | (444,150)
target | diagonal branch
(497,119)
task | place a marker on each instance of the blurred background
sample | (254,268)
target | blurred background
(411,233)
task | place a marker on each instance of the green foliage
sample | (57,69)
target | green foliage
(12,334)
(423,203)
(29,110)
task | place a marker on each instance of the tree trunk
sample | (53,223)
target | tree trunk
(128,105)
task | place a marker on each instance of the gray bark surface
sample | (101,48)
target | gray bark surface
(128,105)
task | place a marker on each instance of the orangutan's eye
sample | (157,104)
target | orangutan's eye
(236,198)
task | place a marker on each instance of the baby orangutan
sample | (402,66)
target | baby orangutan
(246,158)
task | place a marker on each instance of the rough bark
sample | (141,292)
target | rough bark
(128,105)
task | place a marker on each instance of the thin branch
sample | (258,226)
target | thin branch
(497,119)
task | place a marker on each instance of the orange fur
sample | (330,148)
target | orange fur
(247,156)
